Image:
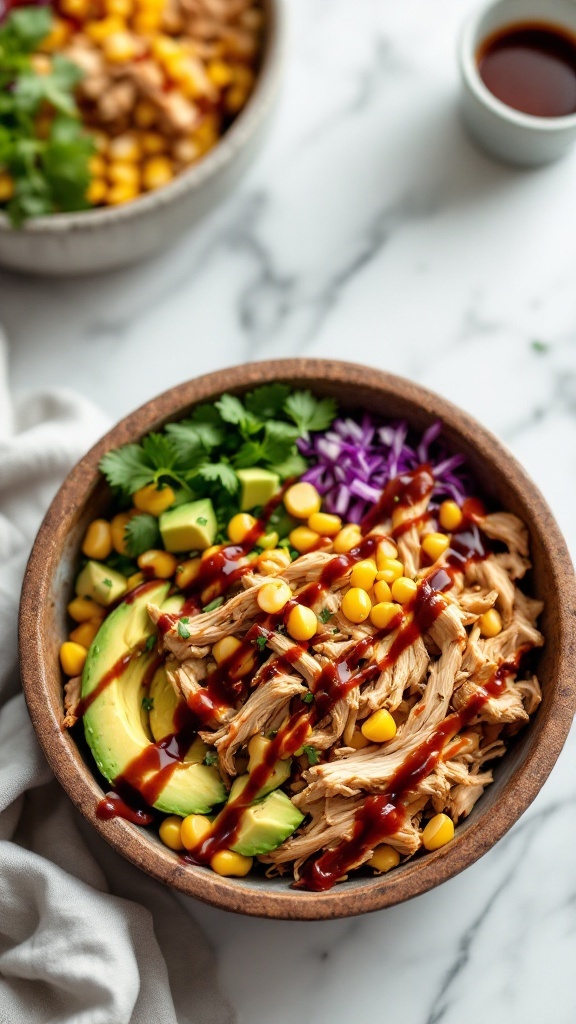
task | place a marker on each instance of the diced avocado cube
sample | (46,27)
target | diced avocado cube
(189,527)
(257,486)
(266,824)
(102,584)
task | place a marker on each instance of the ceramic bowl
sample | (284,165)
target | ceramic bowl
(48,586)
(504,132)
(107,237)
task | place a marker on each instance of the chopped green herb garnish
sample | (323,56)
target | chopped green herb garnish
(150,642)
(336,630)
(325,615)
(308,698)
(213,604)
(312,754)
(107,582)
(261,642)
(310,413)
(211,758)
(183,631)
(185,619)
(201,521)
(147,703)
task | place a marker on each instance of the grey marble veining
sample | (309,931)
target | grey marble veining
(371,229)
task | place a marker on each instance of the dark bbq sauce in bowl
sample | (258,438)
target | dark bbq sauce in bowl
(532,68)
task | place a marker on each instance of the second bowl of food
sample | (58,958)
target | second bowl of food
(295,638)
(124,121)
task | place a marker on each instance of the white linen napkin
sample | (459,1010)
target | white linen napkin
(85,938)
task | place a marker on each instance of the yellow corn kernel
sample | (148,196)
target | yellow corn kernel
(154,500)
(206,134)
(77,9)
(403,589)
(490,623)
(235,98)
(118,194)
(135,580)
(383,614)
(125,147)
(302,623)
(157,171)
(240,527)
(382,591)
(188,572)
(121,8)
(96,191)
(118,529)
(434,545)
(72,657)
(386,549)
(380,727)
(185,151)
(271,562)
(82,609)
(161,564)
(231,864)
(97,541)
(246,666)
(170,832)
(390,569)
(272,597)
(97,166)
(303,539)
(145,114)
(208,552)
(123,173)
(85,632)
(356,605)
(6,187)
(164,47)
(384,858)
(325,524)
(438,832)
(257,748)
(120,47)
(302,500)
(194,830)
(348,538)
(357,740)
(100,30)
(268,540)
(225,648)
(219,73)
(450,515)
(153,143)
(147,22)
(363,574)
(57,38)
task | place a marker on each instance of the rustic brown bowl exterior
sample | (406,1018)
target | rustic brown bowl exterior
(48,585)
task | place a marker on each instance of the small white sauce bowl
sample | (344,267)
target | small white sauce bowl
(506,133)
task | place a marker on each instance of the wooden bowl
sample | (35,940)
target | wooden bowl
(48,585)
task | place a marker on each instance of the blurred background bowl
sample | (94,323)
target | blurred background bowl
(99,239)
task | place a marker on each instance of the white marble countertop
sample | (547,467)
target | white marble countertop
(371,229)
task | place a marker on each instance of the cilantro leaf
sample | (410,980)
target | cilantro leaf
(141,534)
(221,473)
(127,468)
(267,401)
(325,615)
(150,641)
(25,29)
(183,631)
(193,440)
(211,758)
(294,465)
(147,703)
(308,698)
(216,603)
(160,451)
(231,409)
(261,642)
(312,754)
(310,413)
(279,441)
(248,454)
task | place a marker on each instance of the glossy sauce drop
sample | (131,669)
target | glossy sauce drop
(531,67)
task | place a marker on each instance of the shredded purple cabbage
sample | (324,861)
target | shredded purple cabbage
(353,462)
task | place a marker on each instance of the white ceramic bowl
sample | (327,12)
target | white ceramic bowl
(504,132)
(94,240)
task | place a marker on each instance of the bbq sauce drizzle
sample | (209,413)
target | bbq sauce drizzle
(141,783)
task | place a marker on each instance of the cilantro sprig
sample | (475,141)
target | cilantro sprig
(48,169)
(199,456)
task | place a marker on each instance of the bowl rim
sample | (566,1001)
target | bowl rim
(135,844)
(192,179)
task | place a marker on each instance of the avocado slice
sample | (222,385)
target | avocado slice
(113,723)
(189,527)
(102,584)
(278,777)
(257,486)
(162,722)
(266,824)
